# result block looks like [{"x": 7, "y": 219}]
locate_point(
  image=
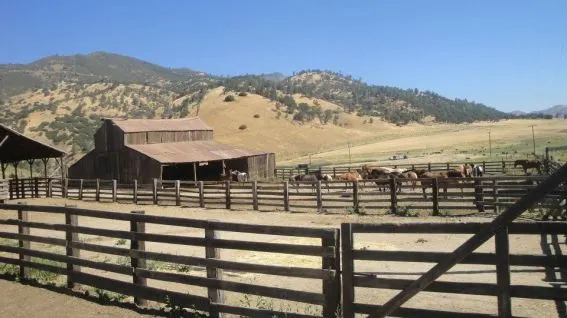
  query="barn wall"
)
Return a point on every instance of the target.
[
  {"x": 114, "y": 137},
  {"x": 84, "y": 168},
  {"x": 155, "y": 137},
  {"x": 136, "y": 166},
  {"x": 100, "y": 139},
  {"x": 261, "y": 166}
]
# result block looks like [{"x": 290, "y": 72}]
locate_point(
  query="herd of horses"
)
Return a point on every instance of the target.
[{"x": 382, "y": 175}]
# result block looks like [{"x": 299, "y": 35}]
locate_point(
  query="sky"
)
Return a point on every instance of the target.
[{"x": 508, "y": 54}]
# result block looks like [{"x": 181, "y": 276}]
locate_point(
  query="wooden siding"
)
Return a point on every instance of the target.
[
  {"x": 155, "y": 137},
  {"x": 100, "y": 139},
  {"x": 136, "y": 166},
  {"x": 262, "y": 166}
]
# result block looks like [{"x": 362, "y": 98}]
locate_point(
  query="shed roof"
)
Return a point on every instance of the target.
[
  {"x": 17, "y": 147},
  {"x": 178, "y": 124},
  {"x": 193, "y": 151}
]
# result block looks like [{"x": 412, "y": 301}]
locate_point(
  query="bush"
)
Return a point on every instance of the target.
[
  {"x": 242, "y": 94},
  {"x": 256, "y": 116},
  {"x": 242, "y": 127},
  {"x": 229, "y": 98}
]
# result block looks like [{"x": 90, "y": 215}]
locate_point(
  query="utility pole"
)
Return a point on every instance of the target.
[
  {"x": 349, "y": 161},
  {"x": 490, "y": 143},
  {"x": 533, "y": 137}
]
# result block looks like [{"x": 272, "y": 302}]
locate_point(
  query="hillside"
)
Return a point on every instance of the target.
[
  {"x": 557, "y": 110},
  {"x": 62, "y": 98}
]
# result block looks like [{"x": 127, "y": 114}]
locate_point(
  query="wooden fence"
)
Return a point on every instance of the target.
[
  {"x": 490, "y": 167},
  {"x": 114, "y": 277},
  {"x": 353, "y": 279},
  {"x": 461, "y": 196},
  {"x": 4, "y": 190}
]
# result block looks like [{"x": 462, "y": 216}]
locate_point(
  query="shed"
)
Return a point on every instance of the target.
[
  {"x": 15, "y": 148},
  {"x": 167, "y": 149}
]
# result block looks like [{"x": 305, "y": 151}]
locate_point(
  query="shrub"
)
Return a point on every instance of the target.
[
  {"x": 229, "y": 98},
  {"x": 256, "y": 116},
  {"x": 242, "y": 94},
  {"x": 242, "y": 127}
]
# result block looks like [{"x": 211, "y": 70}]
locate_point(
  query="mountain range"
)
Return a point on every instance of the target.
[{"x": 62, "y": 98}]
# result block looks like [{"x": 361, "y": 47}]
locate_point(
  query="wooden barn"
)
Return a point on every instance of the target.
[{"x": 167, "y": 149}]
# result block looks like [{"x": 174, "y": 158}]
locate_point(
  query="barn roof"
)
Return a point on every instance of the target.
[
  {"x": 143, "y": 125},
  {"x": 193, "y": 151},
  {"x": 17, "y": 147}
]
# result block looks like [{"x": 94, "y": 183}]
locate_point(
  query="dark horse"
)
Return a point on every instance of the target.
[{"x": 528, "y": 164}]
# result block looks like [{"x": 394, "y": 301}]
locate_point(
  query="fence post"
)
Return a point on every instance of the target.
[
  {"x": 348, "y": 269},
  {"x": 215, "y": 295},
  {"x": 255, "y": 195},
  {"x": 332, "y": 281},
  {"x": 495, "y": 196},
  {"x": 435, "y": 196},
  {"x": 97, "y": 190},
  {"x": 503, "y": 273},
  {"x": 114, "y": 190},
  {"x": 201, "y": 194},
  {"x": 66, "y": 188},
  {"x": 429, "y": 166},
  {"x": 36, "y": 187},
  {"x": 503, "y": 165},
  {"x": 319, "y": 197},
  {"x": 334, "y": 172},
  {"x": 479, "y": 195},
  {"x": 393, "y": 196},
  {"x": 448, "y": 167},
  {"x": 154, "y": 191},
  {"x": 484, "y": 166},
  {"x": 135, "y": 192},
  {"x": 71, "y": 236},
  {"x": 286, "y": 195},
  {"x": 177, "y": 192},
  {"x": 136, "y": 262},
  {"x": 80, "y": 189},
  {"x": 23, "y": 216},
  {"x": 49, "y": 188},
  {"x": 227, "y": 194},
  {"x": 355, "y": 196}
]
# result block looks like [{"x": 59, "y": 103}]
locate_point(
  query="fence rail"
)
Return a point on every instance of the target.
[
  {"x": 490, "y": 167},
  {"x": 441, "y": 197},
  {"x": 139, "y": 235}
]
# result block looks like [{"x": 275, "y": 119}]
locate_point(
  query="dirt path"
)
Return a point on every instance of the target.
[{"x": 18, "y": 300}]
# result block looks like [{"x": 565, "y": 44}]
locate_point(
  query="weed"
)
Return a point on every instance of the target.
[
  {"x": 106, "y": 296},
  {"x": 120, "y": 242},
  {"x": 406, "y": 210}
]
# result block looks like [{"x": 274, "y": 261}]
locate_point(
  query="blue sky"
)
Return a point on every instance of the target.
[{"x": 507, "y": 54}]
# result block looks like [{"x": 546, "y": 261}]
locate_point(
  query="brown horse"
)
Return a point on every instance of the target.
[
  {"x": 412, "y": 178},
  {"x": 528, "y": 164},
  {"x": 350, "y": 176},
  {"x": 444, "y": 178}
]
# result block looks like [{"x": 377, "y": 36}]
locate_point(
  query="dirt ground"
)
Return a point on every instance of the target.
[{"x": 523, "y": 244}]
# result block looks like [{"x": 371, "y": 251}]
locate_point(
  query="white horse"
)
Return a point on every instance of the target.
[{"x": 240, "y": 176}]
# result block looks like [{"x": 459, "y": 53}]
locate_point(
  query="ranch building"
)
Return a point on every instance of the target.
[{"x": 166, "y": 149}]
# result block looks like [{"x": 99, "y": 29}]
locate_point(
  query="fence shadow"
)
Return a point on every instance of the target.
[{"x": 550, "y": 272}]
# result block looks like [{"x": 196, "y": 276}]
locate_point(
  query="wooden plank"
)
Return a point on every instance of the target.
[
  {"x": 347, "y": 270},
  {"x": 474, "y": 258},
  {"x": 252, "y": 312},
  {"x": 135, "y": 192},
  {"x": 286, "y": 196},
  {"x": 71, "y": 220},
  {"x": 68, "y": 259},
  {"x": 255, "y": 195},
  {"x": 213, "y": 273},
  {"x": 23, "y": 216},
  {"x": 34, "y": 238},
  {"x": 142, "y": 292},
  {"x": 393, "y": 196},
  {"x": 201, "y": 194},
  {"x": 137, "y": 262},
  {"x": 503, "y": 273},
  {"x": 227, "y": 195},
  {"x": 474, "y": 242},
  {"x": 310, "y": 250},
  {"x": 412, "y": 312},
  {"x": 28, "y": 264},
  {"x": 457, "y": 228},
  {"x": 332, "y": 284}
]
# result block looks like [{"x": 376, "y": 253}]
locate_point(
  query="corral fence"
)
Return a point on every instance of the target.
[
  {"x": 4, "y": 190},
  {"x": 136, "y": 277},
  {"x": 148, "y": 242},
  {"x": 490, "y": 167},
  {"x": 403, "y": 197}
]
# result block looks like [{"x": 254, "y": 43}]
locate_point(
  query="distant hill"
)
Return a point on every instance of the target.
[
  {"x": 554, "y": 111},
  {"x": 62, "y": 98}
]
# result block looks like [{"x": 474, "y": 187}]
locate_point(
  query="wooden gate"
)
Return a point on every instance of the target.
[{"x": 500, "y": 228}]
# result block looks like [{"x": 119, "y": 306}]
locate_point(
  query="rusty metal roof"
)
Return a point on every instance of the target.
[
  {"x": 193, "y": 151},
  {"x": 177, "y": 124},
  {"x": 17, "y": 147}
]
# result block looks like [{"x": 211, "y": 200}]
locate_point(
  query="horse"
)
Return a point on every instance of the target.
[
  {"x": 239, "y": 176},
  {"x": 412, "y": 177},
  {"x": 350, "y": 176},
  {"x": 444, "y": 178},
  {"x": 465, "y": 169},
  {"x": 528, "y": 164},
  {"x": 477, "y": 170}
]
